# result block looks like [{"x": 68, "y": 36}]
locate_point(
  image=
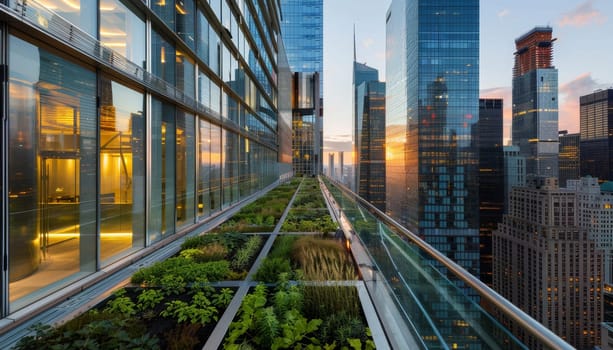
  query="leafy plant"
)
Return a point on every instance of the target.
[
  {"x": 187, "y": 269},
  {"x": 149, "y": 299},
  {"x": 103, "y": 333},
  {"x": 121, "y": 304},
  {"x": 223, "y": 298},
  {"x": 200, "y": 310}
]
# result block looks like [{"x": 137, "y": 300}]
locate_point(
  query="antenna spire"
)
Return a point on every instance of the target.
[{"x": 354, "y": 53}]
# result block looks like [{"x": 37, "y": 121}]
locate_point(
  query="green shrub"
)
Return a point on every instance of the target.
[
  {"x": 187, "y": 269},
  {"x": 105, "y": 331},
  {"x": 271, "y": 268},
  {"x": 244, "y": 256}
]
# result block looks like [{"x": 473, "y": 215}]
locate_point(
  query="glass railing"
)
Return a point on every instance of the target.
[{"x": 428, "y": 289}]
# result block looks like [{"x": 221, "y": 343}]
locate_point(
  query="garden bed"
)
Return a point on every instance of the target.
[
  {"x": 295, "y": 316},
  {"x": 307, "y": 257}
]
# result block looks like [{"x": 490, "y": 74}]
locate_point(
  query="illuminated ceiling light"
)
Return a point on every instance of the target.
[
  {"x": 115, "y": 44},
  {"x": 180, "y": 7},
  {"x": 112, "y": 34},
  {"x": 70, "y": 3}
]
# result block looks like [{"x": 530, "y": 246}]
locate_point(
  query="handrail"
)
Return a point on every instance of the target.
[{"x": 525, "y": 321}]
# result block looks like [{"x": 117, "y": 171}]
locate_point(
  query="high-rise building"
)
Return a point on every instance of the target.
[
  {"x": 302, "y": 31},
  {"x": 369, "y": 135},
  {"x": 307, "y": 150},
  {"x": 548, "y": 265},
  {"x": 535, "y": 102},
  {"x": 331, "y": 171},
  {"x": 569, "y": 157},
  {"x": 432, "y": 107},
  {"x": 596, "y": 119},
  {"x": 110, "y": 148},
  {"x": 514, "y": 172},
  {"x": 491, "y": 178}
]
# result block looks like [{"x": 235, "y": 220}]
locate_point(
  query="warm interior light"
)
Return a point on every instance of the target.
[{"x": 163, "y": 54}]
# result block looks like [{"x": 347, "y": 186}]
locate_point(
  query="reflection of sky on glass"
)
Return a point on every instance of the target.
[{"x": 126, "y": 102}]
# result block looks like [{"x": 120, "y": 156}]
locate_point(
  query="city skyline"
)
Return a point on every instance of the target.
[{"x": 579, "y": 26}]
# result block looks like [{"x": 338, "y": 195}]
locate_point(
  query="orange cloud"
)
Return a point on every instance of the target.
[
  {"x": 569, "y": 94},
  {"x": 582, "y": 15}
]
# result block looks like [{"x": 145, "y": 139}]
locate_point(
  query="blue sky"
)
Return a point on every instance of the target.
[{"x": 583, "y": 53}]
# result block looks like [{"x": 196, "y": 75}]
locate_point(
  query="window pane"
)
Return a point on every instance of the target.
[
  {"x": 186, "y": 74},
  {"x": 122, "y": 30},
  {"x": 203, "y": 37},
  {"x": 163, "y": 58},
  {"x": 204, "y": 154},
  {"x": 81, "y": 13},
  {"x": 215, "y": 168},
  {"x": 122, "y": 171},
  {"x": 186, "y": 21},
  {"x": 165, "y": 9},
  {"x": 162, "y": 214},
  {"x": 185, "y": 180},
  {"x": 52, "y": 172}
]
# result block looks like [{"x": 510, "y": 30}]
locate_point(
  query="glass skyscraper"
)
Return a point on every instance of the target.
[
  {"x": 596, "y": 115},
  {"x": 369, "y": 134},
  {"x": 432, "y": 105},
  {"x": 302, "y": 32},
  {"x": 535, "y": 102}
]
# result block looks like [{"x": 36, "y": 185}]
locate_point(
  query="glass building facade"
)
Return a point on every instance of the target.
[
  {"x": 535, "y": 102},
  {"x": 124, "y": 124},
  {"x": 369, "y": 134},
  {"x": 432, "y": 106},
  {"x": 491, "y": 179},
  {"x": 306, "y": 142},
  {"x": 570, "y": 168},
  {"x": 596, "y": 124},
  {"x": 302, "y": 31}
]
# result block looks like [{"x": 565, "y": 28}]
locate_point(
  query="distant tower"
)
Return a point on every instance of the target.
[
  {"x": 535, "y": 102},
  {"x": 596, "y": 115},
  {"x": 491, "y": 179},
  {"x": 331, "y": 165},
  {"x": 369, "y": 134},
  {"x": 569, "y": 157},
  {"x": 514, "y": 171}
]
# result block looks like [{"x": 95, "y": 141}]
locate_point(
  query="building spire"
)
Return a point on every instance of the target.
[{"x": 354, "y": 54}]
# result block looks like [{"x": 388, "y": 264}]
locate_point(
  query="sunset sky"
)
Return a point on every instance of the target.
[{"x": 583, "y": 53}]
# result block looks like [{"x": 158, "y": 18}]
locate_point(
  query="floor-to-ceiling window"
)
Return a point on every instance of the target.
[
  {"x": 215, "y": 169},
  {"x": 122, "y": 170},
  {"x": 204, "y": 164},
  {"x": 122, "y": 29},
  {"x": 162, "y": 178},
  {"x": 185, "y": 165},
  {"x": 52, "y": 172}
]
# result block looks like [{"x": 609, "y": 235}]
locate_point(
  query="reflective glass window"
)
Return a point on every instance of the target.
[
  {"x": 204, "y": 89},
  {"x": 163, "y": 58},
  {"x": 165, "y": 9},
  {"x": 122, "y": 30},
  {"x": 186, "y": 22},
  {"x": 186, "y": 78},
  {"x": 51, "y": 172},
  {"x": 204, "y": 163},
  {"x": 122, "y": 170},
  {"x": 215, "y": 169},
  {"x": 162, "y": 194},
  {"x": 185, "y": 165},
  {"x": 81, "y": 13},
  {"x": 203, "y": 37}
]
